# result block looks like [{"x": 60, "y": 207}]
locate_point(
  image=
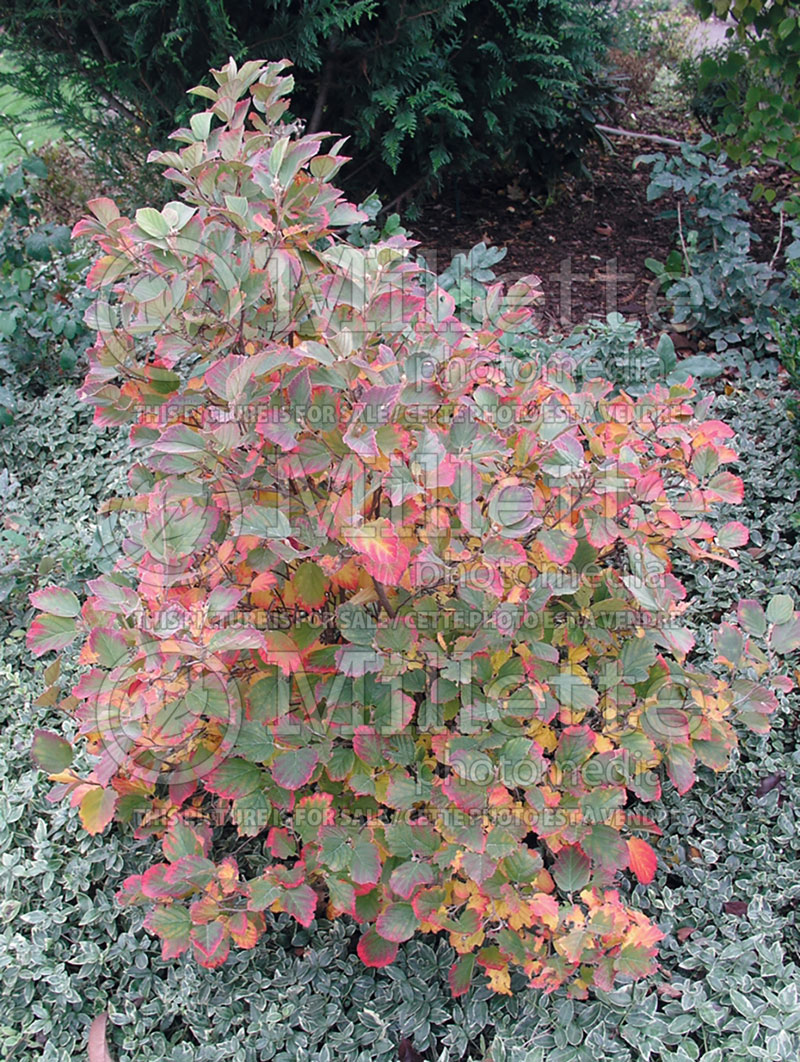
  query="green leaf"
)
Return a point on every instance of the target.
[
  {"x": 173, "y": 925},
  {"x": 51, "y": 752},
  {"x": 310, "y": 583},
  {"x": 97, "y": 809},
  {"x": 152, "y": 222},
  {"x": 365, "y": 865},
  {"x": 780, "y": 609},
  {"x": 234, "y": 778},
  {"x": 460, "y": 974},
  {"x": 571, "y": 869},
  {"x": 397, "y": 922},
  {"x": 56, "y": 602},
  {"x": 292, "y": 769}
]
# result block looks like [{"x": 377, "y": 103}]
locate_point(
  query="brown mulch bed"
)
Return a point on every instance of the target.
[{"x": 589, "y": 246}]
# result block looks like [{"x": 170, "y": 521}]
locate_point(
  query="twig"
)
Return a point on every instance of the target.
[
  {"x": 774, "y": 258},
  {"x": 380, "y": 590},
  {"x": 683, "y": 243},
  {"x": 613, "y": 131},
  {"x": 403, "y": 195},
  {"x": 322, "y": 95}
]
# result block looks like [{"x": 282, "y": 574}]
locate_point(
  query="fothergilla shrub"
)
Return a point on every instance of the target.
[{"x": 391, "y": 603}]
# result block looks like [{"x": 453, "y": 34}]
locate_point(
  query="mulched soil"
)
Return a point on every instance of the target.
[{"x": 589, "y": 246}]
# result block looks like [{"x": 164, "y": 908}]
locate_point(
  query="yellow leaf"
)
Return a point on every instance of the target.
[
  {"x": 464, "y": 943},
  {"x": 500, "y": 981},
  {"x": 544, "y": 735},
  {"x": 578, "y": 653},
  {"x": 603, "y": 744}
]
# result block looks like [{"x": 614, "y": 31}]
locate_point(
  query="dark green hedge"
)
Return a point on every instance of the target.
[{"x": 423, "y": 87}]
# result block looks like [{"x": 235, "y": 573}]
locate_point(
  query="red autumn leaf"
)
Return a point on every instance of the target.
[
  {"x": 460, "y": 975},
  {"x": 643, "y": 860},
  {"x": 211, "y": 943},
  {"x": 374, "y": 950}
]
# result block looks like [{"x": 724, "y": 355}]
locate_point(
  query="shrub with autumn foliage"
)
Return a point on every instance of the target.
[{"x": 393, "y": 604}]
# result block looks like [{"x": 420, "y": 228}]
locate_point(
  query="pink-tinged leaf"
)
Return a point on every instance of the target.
[
  {"x": 680, "y": 767},
  {"x": 300, "y": 903},
  {"x": 236, "y": 639},
  {"x": 726, "y": 487},
  {"x": 643, "y": 860},
  {"x": 98, "y": 1045},
  {"x": 732, "y": 535},
  {"x": 559, "y": 547},
  {"x": 478, "y": 866},
  {"x": 292, "y": 769},
  {"x": 409, "y": 877},
  {"x": 244, "y": 929},
  {"x": 109, "y": 647},
  {"x": 369, "y": 746},
  {"x": 641, "y": 822},
  {"x": 664, "y": 724},
  {"x": 460, "y": 975},
  {"x": 365, "y": 865},
  {"x": 752, "y": 617},
  {"x": 281, "y": 650},
  {"x": 154, "y": 884},
  {"x": 176, "y": 529},
  {"x": 601, "y": 531},
  {"x": 170, "y": 922},
  {"x": 234, "y": 778},
  {"x": 380, "y": 549},
  {"x": 104, "y": 209},
  {"x": 361, "y": 440},
  {"x": 374, "y": 950},
  {"x": 51, "y": 632},
  {"x": 112, "y": 597},
  {"x": 56, "y": 602},
  {"x": 279, "y": 844},
  {"x": 97, "y": 809},
  {"x": 545, "y": 907},
  {"x": 282, "y": 434},
  {"x": 51, "y": 752},
  {"x": 397, "y": 922},
  {"x": 131, "y": 891},
  {"x": 211, "y": 944},
  {"x": 189, "y": 873}
]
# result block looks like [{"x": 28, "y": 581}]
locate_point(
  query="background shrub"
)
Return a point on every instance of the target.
[
  {"x": 715, "y": 284},
  {"x": 457, "y": 86},
  {"x": 43, "y": 295},
  {"x": 752, "y": 87}
]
